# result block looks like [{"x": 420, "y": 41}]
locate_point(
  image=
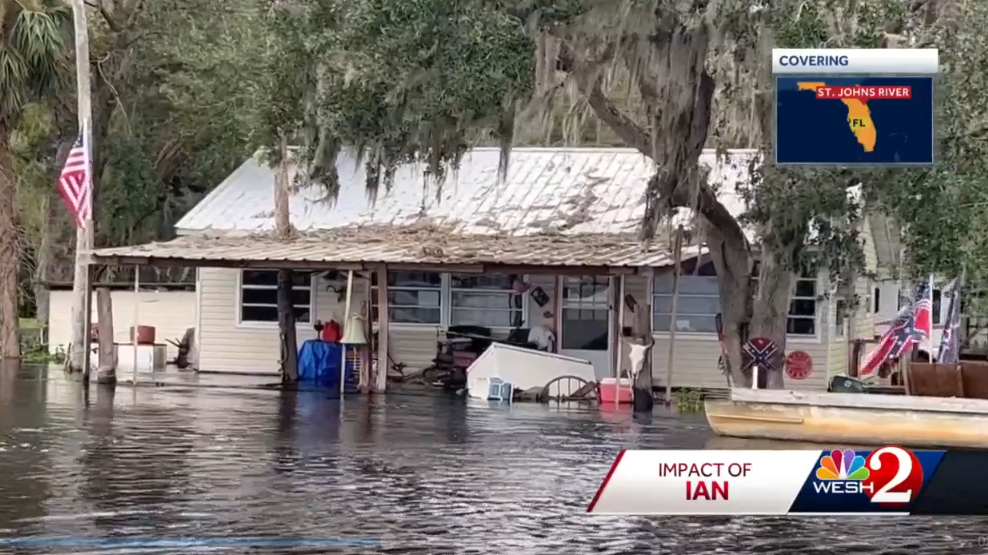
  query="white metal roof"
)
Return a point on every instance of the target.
[{"x": 569, "y": 191}]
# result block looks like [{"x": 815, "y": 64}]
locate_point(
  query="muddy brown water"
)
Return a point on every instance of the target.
[{"x": 434, "y": 474}]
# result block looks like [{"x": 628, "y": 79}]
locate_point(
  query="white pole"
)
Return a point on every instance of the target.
[
  {"x": 84, "y": 235},
  {"x": 137, "y": 304},
  {"x": 673, "y": 313},
  {"x": 754, "y": 377},
  {"x": 346, "y": 323},
  {"x": 619, "y": 342}
]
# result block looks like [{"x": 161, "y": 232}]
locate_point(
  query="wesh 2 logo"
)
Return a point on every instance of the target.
[{"x": 890, "y": 475}]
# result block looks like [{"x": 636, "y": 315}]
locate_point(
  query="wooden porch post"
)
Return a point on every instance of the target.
[
  {"x": 87, "y": 309},
  {"x": 617, "y": 299},
  {"x": 642, "y": 385},
  {"x": 381, "y": 380}
]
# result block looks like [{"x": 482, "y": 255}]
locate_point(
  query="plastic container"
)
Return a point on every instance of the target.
[
  {"x": 500, "y": 390},
  {"x": 145, "y": 335},
  {"x": 611, "y": 390},
  {"x": 332, "y": 332}
]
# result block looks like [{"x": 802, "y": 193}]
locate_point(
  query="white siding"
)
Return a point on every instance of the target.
[
  {"x": 228, "y": 346},
  {"x": 169, "y": 312},
  {"x": 696, "y": 355},
  {"x": 413, "y": 345},
  {"x": 253, "y": 348}
]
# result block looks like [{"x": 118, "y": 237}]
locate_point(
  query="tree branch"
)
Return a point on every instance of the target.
[
  {"x": 588, "y": 78},
  {"x": 135, "y": 11},
  {"x": 108, "y": 17}
]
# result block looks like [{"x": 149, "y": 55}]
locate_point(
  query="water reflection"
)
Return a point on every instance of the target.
[{"x": 439, "y": 474}]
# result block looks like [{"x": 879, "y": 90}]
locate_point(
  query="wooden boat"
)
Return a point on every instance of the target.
[{"x": 851, "y": 418}]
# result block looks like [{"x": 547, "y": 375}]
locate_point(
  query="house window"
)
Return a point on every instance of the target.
[
  {"x": 802, "y": 309},
  {"x": 584, "y": 315},
  {"x": 259, "y": 296},
  {"x": 878, "y": 299},
  {"x": 699, "y": 301},
  {"x": 937, "y": 306},
  {"x": 486, "y": 300},
  {"x": 413, "y": 297}
]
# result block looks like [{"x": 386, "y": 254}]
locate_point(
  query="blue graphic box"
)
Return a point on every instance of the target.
[{"x": 815, "y": 131}]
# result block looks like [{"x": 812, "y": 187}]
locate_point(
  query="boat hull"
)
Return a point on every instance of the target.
[{"x": 851, "y": 419}]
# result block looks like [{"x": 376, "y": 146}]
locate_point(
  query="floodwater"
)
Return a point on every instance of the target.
[{"x": 431, "y": 474}]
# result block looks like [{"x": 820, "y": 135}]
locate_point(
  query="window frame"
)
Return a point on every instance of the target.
[
  {"x": 815, "y": 337},
  {"x": 265, "y": 324},
  {"x": 816, "y": 308},
  {"x": 443, "y": 290},
  {"x": 451, "y": 291},
  {"x": 656, "y": 295},
  {"x": 446, "y": 300},
  {"x": 580, "y": 303}
]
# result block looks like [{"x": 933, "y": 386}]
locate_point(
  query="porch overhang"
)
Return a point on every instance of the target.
[{"x": 401, "y": 250}]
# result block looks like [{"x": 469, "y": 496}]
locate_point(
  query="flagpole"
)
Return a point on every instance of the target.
[{"x": 81, "y": 290}]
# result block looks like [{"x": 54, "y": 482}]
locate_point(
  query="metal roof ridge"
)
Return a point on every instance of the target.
[{"x": 590, "y": 148}]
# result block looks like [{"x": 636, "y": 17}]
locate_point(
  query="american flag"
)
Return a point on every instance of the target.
[
  {"x": 905, "y": 331},
  {"x": 949, "y": 349},
  {"x": 74, "y": 182}
]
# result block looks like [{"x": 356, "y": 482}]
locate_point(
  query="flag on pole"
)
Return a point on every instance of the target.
[
  {"x": 913, "y": 324},
  {"x": 923, "y": 310},
  {"x": 892, "y": 342},
  {"x": 74, "y": 182},
  {"x": 949, "y": 352}
]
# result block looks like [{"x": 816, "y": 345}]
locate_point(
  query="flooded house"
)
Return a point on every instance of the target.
[{"x": 563, "y": 223}]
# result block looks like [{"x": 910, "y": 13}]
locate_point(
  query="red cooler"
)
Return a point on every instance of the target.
[{"x": 611, "y": 390}]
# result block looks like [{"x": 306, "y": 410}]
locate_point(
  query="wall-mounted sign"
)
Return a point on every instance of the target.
[{"x": 799, "y": 365}]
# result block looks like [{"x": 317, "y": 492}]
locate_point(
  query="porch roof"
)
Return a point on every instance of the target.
[{"x": 357, "y": 248}]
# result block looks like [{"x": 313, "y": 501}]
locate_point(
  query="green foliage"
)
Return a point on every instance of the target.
[
  {"x": 401, "y": 81},
  {"x": 689, "y": 400},
  {"x": 945, "y": 210},
  {"x": 796, "y": 208},
  {"x": 32, "y": 53}
]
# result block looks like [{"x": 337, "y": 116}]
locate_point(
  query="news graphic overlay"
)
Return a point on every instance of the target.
[
  {"x": 870, "y": 107},
  {"x": 703, "y": 482},
  {"x": 887, "y": 480}
]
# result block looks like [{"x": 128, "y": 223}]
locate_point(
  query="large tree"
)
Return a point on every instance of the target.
[
  {"x": 423, "y": 80},
  {"x": 172, "y": 119},
  {"x": 32, "y": 56}
]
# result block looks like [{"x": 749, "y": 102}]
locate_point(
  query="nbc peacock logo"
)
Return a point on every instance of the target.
[{"x": 842, "y": 472}]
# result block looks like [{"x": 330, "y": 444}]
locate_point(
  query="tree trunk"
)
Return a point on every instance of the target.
[
  {"x": 732, "y": 260},
  {"x": 286, "y": 328},
  {"x": 771, "y": 314},
  {"x": 10, "y": 345},
  {"x": 283, "y": 230},
  {"x": 42, "y": 265},
  {"x": 106, "y": 369}
]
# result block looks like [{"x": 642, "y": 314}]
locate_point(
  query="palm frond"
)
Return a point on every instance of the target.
[{"x": 33, "y": 52}]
